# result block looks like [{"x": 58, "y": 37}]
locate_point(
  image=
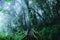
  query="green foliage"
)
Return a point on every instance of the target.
[
  {"x": 1, "y": 9},
  {"x": 48, "y": 33},
  {"x": 21, "y": 35},
  {"x": 16, "y": 36},
  {"x": 44, "y": 29},
  {"x": 4, "y": 36},
  {"x": 8, "y": 0},
  {"x": 6, "y": 11}
]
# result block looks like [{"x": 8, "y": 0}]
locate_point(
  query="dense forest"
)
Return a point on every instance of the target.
[{"x": 29, "y": 19}]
